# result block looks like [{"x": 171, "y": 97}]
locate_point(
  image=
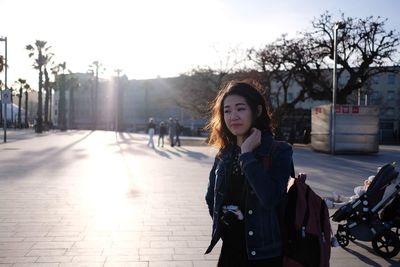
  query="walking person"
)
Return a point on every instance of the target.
[
  {"x": 162, "y": 133},
  {"x": 171, "y": 131},
  {"x": 242, "y": 196},
  {"x": 178, "y": 131},
  {"x": 151, "y": 129}
]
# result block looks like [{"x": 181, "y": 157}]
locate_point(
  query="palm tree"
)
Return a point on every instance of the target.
[
  {"x": 21, "y": 82},
  {"x": 39, "y": 50},
  {"x": 96, "y": 67},
  {"x": 2, "y": 63},
  {"x": 2, "y": 66},
  {"x": 47, "y": 60},
  {"x": 73, "y": 84},
  {"x": 53, "y": 86},
  {"x": 12, "y": 93},
  {"x": 61, "y": 102},
  {"x": 27, "y": 89}
]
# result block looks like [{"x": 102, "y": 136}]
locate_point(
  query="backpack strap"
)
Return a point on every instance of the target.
[
  {"x": 321, "y": 214},
  {"x": 322, "y": 219}
]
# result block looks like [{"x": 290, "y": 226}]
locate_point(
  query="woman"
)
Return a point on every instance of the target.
[
  {"x": 151, "y": 129},
  {"x": 242, "y": 195}
]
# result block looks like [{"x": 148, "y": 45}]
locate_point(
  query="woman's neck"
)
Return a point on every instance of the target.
[{"x": 239, "y": 140}]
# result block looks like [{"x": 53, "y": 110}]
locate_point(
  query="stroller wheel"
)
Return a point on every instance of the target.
[
  {"x": 342, "y": 239},
  {"x": 343, "y": 236},
  {"x": 386, "y": 244},
  {"x": 350, "y": 237},
  {"x": 396, "y": 230}
]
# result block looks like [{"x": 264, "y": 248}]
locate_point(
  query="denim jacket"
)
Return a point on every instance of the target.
[{"x": 265, "y": 191}]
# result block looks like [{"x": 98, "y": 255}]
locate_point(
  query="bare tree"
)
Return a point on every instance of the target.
[
  {"x": 365, "y": 48},
  {"x": 276, "y": 76},
  {"x": 199, "y": 86}
]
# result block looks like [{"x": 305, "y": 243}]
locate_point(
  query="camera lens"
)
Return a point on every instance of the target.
[{"x": 229, "y": 217}]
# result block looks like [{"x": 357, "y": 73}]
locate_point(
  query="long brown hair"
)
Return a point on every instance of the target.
[{"x": 220, "y": 136}]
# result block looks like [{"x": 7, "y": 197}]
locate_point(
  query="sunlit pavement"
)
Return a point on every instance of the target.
[{"x": 82, "y": 198}]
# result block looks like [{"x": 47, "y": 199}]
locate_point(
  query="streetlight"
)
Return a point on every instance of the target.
[
  {"x": 337, "y": 26},
  {"x": 4, "y": 39},
  {"x": 118, "y": 103}
]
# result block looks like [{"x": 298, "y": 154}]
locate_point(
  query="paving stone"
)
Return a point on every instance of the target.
[{"x": 85, "y": 198}]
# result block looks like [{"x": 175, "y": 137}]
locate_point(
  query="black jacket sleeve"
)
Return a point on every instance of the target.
[{"x": 210, "y": 188}]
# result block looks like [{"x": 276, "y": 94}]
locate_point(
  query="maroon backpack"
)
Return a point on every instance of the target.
[{"x": 305, "y": 225}]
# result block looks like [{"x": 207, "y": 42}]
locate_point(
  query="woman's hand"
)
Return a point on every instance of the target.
[{"x": 251, "y": 142}]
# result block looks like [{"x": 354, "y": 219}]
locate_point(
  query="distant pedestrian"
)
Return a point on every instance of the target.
[
  {"x": 171, "y": 131},
  {"x": 163, "y": 131},
  {"x": 151, "y": 129},
  {"x": 178, "y": 130}
]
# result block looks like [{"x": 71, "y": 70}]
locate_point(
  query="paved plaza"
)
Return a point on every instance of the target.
[{"x": 96, "y": 198}]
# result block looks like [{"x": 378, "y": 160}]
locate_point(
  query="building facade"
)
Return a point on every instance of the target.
[
  {"x": 121, "y": 104},
  {"x": 127, "y": 105}
]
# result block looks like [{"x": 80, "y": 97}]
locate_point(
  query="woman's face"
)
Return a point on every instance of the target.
[{"x": 237, "y": 115}]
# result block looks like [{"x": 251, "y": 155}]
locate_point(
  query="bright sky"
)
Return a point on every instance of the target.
[{"x": 150, "y": 38}]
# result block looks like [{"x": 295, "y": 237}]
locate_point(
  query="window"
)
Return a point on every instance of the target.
[
  {"x": 391, "y": 78},
  {"x": 386, "y": 125},
  {"x": 375, "y": 96},
  {"x": 375, "y": 79},
  {"x": 389, "y": 112},
  {"x": 390, "y": 95}
]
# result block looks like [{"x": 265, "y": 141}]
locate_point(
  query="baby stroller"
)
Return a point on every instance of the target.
[{"x": 374, "y": 216}]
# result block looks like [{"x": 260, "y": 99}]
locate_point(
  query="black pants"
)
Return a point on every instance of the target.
[
  {"x": 177, "y": 141},
  {"x": 233, "y": 251},
  {"x": 161, "y": 137}
]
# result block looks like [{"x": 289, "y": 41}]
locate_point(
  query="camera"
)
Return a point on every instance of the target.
[
  {"x": 232, "y": 214},
  {"x": 229, "y": 217}
]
